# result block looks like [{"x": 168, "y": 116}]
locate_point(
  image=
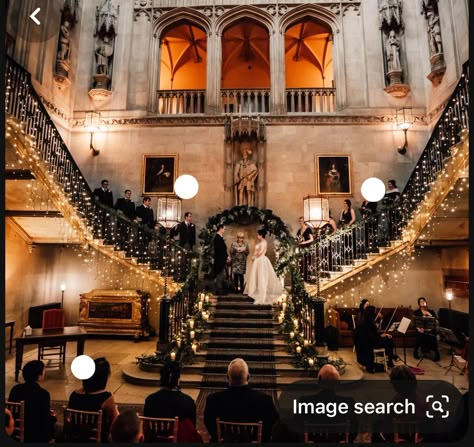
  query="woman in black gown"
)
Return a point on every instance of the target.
[
  {"x": 304, "y": 238},
  {"x": 368, "y": 339}
]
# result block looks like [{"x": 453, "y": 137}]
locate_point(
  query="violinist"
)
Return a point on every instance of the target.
[{"x": 425, "y": 339}]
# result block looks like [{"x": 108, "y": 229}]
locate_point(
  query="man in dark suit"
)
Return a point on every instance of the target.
[
  {"x": 187, "y": 232},
  {"x": 220, "y": 258},
  {"x": 240, "y": 403},
  {"x": 145, "y": 213},
  {"x": 126, "y": 205},
  {"x": 104, "y": 194}
]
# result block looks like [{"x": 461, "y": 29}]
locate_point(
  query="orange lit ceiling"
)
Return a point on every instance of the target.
[
  {"x": 308, "y": 55},
  {"x": 183, "y": 58}
]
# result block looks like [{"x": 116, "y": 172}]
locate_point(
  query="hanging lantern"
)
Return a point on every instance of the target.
[{"x": 316, "y": 211}]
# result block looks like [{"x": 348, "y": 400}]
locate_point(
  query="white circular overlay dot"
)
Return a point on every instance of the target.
[
  {"x": 373, "y": 189},
  {"x": 83, "y": 367},
  {"x": 186, "y": 186}
]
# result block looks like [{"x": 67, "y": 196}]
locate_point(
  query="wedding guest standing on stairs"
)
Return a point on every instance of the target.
[
  {"x": 144, "y": 213},
  {"x": 240, "y": 403},
  {"x": 220, "y": 258},
  {"x": 125, "y": 205},
  {"x": 304, "y": 238},
  {"x": 389, "y": 207},
  {"x": 104, "y": 194},
  {"x": 187, "y": 232}
]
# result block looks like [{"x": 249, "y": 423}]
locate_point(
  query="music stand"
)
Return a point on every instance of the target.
[
  {"x": 428, "y": 324},
  {"x": 449, "y": 337},
  {"x": 402, "y": 327}
]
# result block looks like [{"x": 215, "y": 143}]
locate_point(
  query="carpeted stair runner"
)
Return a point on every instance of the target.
[{"x": 239, "y": 328}]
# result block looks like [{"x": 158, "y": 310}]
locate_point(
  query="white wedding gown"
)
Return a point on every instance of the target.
[{"x": 263, "y": 284}]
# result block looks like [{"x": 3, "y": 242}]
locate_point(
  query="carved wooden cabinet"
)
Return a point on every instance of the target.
[{"x": 115, "y": 312}]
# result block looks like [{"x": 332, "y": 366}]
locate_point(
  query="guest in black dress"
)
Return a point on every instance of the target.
[
  {"x": 93, "y": 397},
  {"x": 39, "y": 420},
  {"x": 368, "y": 339},
  {"x": 390, "y": 203},
  {"x": 304, "y": 238},
  {"x": 347, "y": 218}
]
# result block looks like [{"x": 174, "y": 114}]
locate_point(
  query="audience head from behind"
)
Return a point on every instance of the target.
[
  {"x": 33, "y": 371},
  {"x": 403, "y": 380},
  {"x": 9, "y": 422},
  {"x": 126, "y": 427},
  {"x": 98, "y": 380},
  {"x": 328, "y": 376},
  {"x": 238, "y": 372},
  {"x": 169, "y": 375}
]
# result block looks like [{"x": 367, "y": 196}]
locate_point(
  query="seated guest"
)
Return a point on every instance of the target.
[
  {"x": 9, "y": 422},
  {"x": 240, "y": 403},
  {"x": 39, "y": 419},
  {"x": 127, "y": 427},
  {"x": 368, "y": 339},
  {"x": 93, "y": 397},
  {"x": 169, "y": 401},
  {"x": 426, "y": 339}
]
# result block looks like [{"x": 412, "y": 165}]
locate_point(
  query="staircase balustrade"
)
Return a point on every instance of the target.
[
  {"x": 137, "y": 241},
  {"x": 357, "y": 242}
]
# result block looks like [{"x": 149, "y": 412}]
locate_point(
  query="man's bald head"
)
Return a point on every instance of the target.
[
  {"x": 238, "y": 372},
  {"x": 328, "y": 373}
]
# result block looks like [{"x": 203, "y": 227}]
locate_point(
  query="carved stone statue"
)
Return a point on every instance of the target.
[
  {"x": 392, "y": 51},
  {"x": 103, "y": 52},
  {"x": 429, "y": 8},
  {"x": 64, "y": 40},
  {"x": 245, "y": 175}
]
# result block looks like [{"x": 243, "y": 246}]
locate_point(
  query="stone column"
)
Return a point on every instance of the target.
[
  {"x": 154, "y": 68},
  {"x": 277, "y": 72},
  {"x": 213, "y": 74}
]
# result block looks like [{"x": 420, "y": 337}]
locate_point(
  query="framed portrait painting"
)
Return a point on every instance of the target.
[
  {"x": 159, "y": 173},
  {"x": 333, "y": 175}
]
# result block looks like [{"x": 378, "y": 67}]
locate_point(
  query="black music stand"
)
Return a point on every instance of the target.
[
  {"x": 402, "y": 327},
  {"x": 427, "y": 324},
  {"x": 449, "y": 337}
]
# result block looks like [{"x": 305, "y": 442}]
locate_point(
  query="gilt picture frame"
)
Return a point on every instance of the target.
[
  {"x": 159, "y": 172},
  {"x": 333, "y": 174}
]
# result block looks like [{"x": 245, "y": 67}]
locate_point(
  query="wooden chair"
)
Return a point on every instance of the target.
[
  {"x": 52, "y": 319},
  {"x": 327, "y": 432},
  {"x": 160, "y": 429},
  {"x": 406, "y": 430},
  {"x": 380, "y": 357},
  {"x": 250, "y": 432},
  {"x": 18, "y": 412},
  {"x": 82, "y": 426}
]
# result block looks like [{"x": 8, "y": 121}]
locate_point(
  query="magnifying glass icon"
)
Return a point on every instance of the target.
[{"x": 437, "y": 406}]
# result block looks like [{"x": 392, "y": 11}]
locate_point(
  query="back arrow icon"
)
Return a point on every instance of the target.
[{"x": 33, "y": 16}]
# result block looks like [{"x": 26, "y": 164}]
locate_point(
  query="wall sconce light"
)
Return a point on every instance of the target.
[
  {"x": 404, "y": 117},
  {"x": 169, "y": 211},
  {"x": 91, "y": 123}
]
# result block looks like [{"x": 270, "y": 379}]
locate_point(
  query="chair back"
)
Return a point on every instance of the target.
[
  {"x": 17, "y": 410},
  {"x": 250, "y": 432},
  {"x": 406, "y": 430},
  {"x": 82, "y": 426},
  {"x": 53, "y": 319},
  {"x": 160, "y": 429},
  {"x": 327, "y": 432}
]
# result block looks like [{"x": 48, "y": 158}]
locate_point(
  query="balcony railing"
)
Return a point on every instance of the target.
[
  {"x": 140, "y": 242},
  {"x": 178, "y": 102},
  {"x": 310, "y": 100},
  {"x": 246, "y": 101}
]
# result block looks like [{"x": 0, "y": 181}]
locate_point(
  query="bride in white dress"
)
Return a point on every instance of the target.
[{"x": 263, "y": 284}]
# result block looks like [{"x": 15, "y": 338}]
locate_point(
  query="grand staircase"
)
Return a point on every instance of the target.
[{"x": 34, "y": 146}]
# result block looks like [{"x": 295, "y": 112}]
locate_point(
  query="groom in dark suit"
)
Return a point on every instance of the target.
[
  {"x": 220, "y": 258},
  {"x": 187, "y": 232}
]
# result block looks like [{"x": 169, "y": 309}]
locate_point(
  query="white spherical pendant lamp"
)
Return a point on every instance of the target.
[
  {"x": 186, "y": 186},
  {"x": 373, "y": 189}
]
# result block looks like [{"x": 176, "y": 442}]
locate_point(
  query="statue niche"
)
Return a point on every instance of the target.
[{"x": 244, "y": 156}]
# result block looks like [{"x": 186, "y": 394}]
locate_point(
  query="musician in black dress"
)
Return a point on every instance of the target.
[
  {"x": 425, "y": 339},
  {"x": 368, "y": 338},
  {"x": 304, "y": 238}
]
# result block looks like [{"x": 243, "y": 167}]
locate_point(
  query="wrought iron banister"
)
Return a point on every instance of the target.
[{"x": 147, "y": 246}]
